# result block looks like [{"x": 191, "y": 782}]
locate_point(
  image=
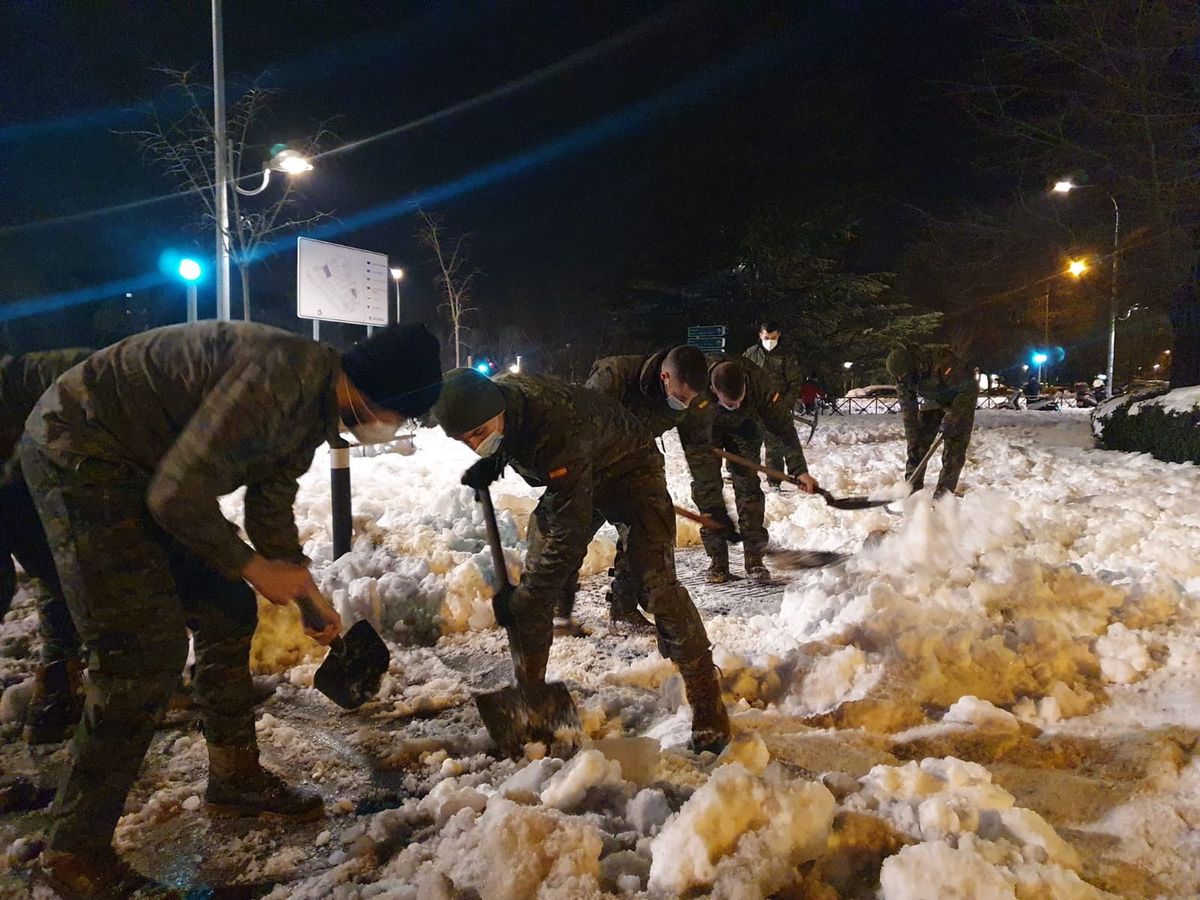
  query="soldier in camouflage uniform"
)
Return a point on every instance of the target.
[
  {"x": 668, "y": 389},
  {"x": 127, "y": 456},
  {"x": 747, "y": 404},
  {"x": 55, "y": 708},
  {"x": 783, "y": 373},
  {"x": 597, "y": 464},
  {"x": 937, "y": 392}
]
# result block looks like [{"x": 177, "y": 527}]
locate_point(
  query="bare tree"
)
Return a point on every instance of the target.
[
  {"x": 456, "y": 275},
  {"x": 184, "y": 147}
]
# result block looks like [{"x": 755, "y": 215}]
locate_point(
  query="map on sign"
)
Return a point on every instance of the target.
[{"x": 341, "y": 284}]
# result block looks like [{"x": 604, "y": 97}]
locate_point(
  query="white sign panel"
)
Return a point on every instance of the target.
[{"x": 341, "y": 284}]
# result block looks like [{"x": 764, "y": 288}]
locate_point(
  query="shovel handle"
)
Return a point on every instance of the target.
[
  {"x": 484, "y": 496},
  {"x": 733, "y": 536},
  {"x": 310, "y": 615}
]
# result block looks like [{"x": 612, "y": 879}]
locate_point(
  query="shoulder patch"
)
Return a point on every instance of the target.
[
  {"x": 560, "y": 472},
  {"x": 775, "y": 397},
  {"x": 702, "y": 404}
]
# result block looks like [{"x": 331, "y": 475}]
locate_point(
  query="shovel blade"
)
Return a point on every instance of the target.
[
  {"x": 805, "y": 559},
  {"x": 514, "y": 718},
  {"x": 354, "y": 667}
]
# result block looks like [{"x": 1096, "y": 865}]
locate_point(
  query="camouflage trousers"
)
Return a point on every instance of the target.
[
  {"x": 746, "y": 441},
  {"x": 638, "y": 502},
  {"x": 22, "y": 536},
  {"x": 133, "y": 593},
  {"x": 775, "y": 454},
  {"x": 956, "y": 423}
]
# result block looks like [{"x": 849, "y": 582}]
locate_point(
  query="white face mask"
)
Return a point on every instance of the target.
[
  {"x": 732, "y": 408},
  {"x": 373, "y": 432},
  {"x": 770, "y": 344},
  {"x": 490, "y": 444},
  {"x": 676, "y": 404}
]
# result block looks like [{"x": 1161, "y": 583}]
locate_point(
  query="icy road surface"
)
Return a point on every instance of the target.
[{"x": 999, "y": 698}]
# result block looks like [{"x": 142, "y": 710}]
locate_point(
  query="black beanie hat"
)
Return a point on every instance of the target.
[{"x": 398, "y": 368}]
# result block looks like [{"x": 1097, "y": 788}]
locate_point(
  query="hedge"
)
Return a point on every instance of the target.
[{"x": 1171, "y": 434}]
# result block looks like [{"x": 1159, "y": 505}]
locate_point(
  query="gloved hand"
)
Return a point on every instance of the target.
[
  {"x": 482, "y": 473},
  {"x": 502, "y": 605}
]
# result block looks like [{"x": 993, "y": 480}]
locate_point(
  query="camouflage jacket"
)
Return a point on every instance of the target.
[
  {"x": 942, "y": 380},
  {"x": 763, "y": 407},
  {"x": 577, "y": 444},
  {"x": 633, "y": 381},
  {"x": 199, "y": 411},
  {"x": 23, "y": 380},
  {"x": 781, "y": 368}
]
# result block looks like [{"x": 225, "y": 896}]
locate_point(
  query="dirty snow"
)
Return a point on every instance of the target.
[{"x": 999, "y": 697}]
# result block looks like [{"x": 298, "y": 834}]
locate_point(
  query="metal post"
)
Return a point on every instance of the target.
[
  {"x": 316, "y": 329},
  {"x": 397, "y": 283},
  {"x": 370, "y": 330},
  {"x": 339, "y": 496},
  {"x": 1112, "y": 304},
  {"x": 221, "y": 175},
  {"x": 191, "y": 307}
]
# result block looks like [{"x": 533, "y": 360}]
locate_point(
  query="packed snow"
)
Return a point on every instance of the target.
[{"x": 994, "y": 695}]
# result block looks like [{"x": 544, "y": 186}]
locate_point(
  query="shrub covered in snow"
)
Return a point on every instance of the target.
[{"x": 1164, "y": 425}]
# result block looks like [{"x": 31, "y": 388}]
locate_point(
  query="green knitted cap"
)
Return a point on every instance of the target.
[{"x": 468, "y": 399}]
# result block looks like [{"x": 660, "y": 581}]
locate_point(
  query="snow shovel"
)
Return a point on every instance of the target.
[
  {"x": 354, "y": 666},
  {"x": 528, "y": 712},
  {"x": 734, "y": 537},
  {"x": 776, "y": 475}
]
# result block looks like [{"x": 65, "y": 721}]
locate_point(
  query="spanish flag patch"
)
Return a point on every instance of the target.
[{"x": 560, "y": 472}]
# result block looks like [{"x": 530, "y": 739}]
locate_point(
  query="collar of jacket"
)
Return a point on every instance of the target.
[{"x": 649, "y": 380}]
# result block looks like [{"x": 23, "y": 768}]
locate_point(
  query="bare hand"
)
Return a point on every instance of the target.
[
  {"x": 279, "y": 581},
  {"x": 318, "y": 608},
  {"x": 807, "y": 483}
]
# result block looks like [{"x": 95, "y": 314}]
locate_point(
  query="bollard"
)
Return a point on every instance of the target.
[{"x": 339, "y": 496}]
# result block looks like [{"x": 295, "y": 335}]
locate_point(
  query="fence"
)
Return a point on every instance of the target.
[{"x": 857, "y": 406}]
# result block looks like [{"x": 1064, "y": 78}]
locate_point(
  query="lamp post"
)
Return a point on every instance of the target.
[
  {"x": 847, "y": 366},
  {"x": 1065, "y": 186},
  {"x": 397, "y": 277},
  {"x": 190, "y": 272},
  {"x": 1039, "y": 360}
]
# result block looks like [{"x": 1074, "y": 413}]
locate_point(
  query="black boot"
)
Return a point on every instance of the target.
[
  {"x": 626, "y": 613},
  {"x": 718, "y": 567},
  {"x": 57, "y": 703},
  {"x": 756, "y": 568},
  {"x": 710, "y": 719},
  {"x": 238, "y": 785},
  {"x": 95, "y": 876}
]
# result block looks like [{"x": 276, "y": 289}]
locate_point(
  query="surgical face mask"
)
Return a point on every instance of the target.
[
  {"x": 676, "y": 404},
  {"x": 770, "y": 344},
  {"x": 732, "y": 407},
  {"x": 490, "y": 444},
  {"x": 372, "y": 432}
]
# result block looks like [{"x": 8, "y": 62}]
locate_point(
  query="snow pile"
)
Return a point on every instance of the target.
[
  {"x": 740, "y": 835},
  {"x": 942, "y": 608},
  {"x": 1181, "y": 400},
  {"x": 974, "y": 841}
]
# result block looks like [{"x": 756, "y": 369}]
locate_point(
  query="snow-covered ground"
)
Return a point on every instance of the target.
[{"x": 998, "y": 697}]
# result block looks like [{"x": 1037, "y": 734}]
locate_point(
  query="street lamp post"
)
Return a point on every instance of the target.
[
  {"x": 221, "y": 167},
  {"x": 190, "y": 271},
  {"x": 1065, "y": 186},
  {"x": 397, "y": 276}
]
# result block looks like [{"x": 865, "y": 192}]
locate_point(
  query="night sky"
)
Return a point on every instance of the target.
[{"x": 621, "y": 163}]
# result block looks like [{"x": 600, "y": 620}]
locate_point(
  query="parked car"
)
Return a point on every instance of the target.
[{"x": 872, "y": 391}]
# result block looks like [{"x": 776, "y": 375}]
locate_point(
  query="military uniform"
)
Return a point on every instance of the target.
[
  {"x": 126, "y": 457},
  {"x": 939, "y": 392},
  {"x": 783, "y": 373},
  {"x": 23, "y": 380},
  {"x": 741, "y": 431},
  {"x": 634, "y": 382}
]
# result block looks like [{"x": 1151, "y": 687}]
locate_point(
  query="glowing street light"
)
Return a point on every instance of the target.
[
  {"x": 397, "y": 277},
  {"x": 190, "y": 271},
  {"x": 1039, "y": 359},
  {"x": 1065, "y": 186},
  {"x": 1077, "y": 267}
]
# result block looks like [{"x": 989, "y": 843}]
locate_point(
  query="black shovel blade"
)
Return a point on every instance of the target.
[
  {"x": 852, "y": 502},
  {"x": 354, "y": 667},
  {"x": 514, "y": 719},
  {"x": 805, "y": 559}
]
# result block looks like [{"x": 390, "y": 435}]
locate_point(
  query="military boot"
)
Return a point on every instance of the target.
[
  {"x": 756, "y": 568},
  {"x": 626, "y": 613},
  {"x": 718, "y": 567},
  {"x": 710, "y": 719},
  {"x": 95, "y": 876},
  {"x": 239, "y": 786},
  {"x": 57, "y": 703}
]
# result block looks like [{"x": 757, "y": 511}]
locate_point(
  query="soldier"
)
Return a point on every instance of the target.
[
  {"x": 747, "y": 404},
  {"x": 783, "y": 377},
  {"x": 55, "y": 707},
  {"x": 937, "y": 391},
  {"x": 663, "y": 391},
  {"x": 127, "y": 456},
  {"x": 597, "y": 464}
]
